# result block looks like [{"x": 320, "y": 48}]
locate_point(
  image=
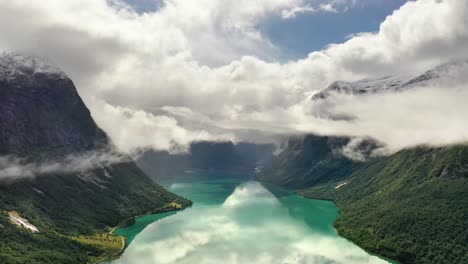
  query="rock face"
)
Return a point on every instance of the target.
[
  {"x": 41, "y": 111},
  {"x": 42, "y": 118}
]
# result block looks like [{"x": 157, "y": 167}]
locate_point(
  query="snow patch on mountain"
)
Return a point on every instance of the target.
[
  {"x": 13, "y": 65},
  {"x": 452, "y": 72}
]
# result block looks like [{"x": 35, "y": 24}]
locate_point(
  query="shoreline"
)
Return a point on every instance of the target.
[
  {"x": 392, "y": 261},
  {"x": 131, "y": 221}
]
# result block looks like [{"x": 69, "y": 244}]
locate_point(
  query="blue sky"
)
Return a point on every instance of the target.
[
  {"x": 144, "y": 5},
  {"x": 307, "y": 32},
  {"x": 312, "y": 31}
]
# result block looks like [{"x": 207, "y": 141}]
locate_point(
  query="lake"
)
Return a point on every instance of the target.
[{"x": 236, "y": 220}]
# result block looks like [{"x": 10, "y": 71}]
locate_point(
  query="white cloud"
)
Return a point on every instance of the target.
[
  {"x": 13, "y": 168},
  {"x": 293, "y": 12},
  {"x": 328, "y": 8},
  {"x": 202, "y": 69},
  {"x": 340, "y": 6},
  {"x": 432, "y": 115},
  {"x": 140, "y": 129}
]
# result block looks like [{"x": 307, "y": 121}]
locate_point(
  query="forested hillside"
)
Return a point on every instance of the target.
[
  {"x": 411, "y": 206},
  {"x": 59, "y": 172}
]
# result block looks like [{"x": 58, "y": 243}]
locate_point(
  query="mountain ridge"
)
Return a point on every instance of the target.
[
  {"x": 43, "y": 119},
  {"x": 410, "y": 206},
  {"x": 386, "y": 84}
]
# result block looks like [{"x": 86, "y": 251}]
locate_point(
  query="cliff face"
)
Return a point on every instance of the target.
[
  {"x": 41, "y": 111},
  {"x": 43, "y": 119}
]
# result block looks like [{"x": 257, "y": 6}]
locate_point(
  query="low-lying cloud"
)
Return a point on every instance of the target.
[
  {"x": 427, "y": 116},
  {"x": 14, "y": 168}
]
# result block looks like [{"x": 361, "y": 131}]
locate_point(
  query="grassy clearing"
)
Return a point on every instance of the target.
[
  {"x": 112, "y": 245},
  {"x": 176, "y": 205}
]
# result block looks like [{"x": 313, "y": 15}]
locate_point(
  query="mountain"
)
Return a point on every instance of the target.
[
  {"x": 307, "y": 161},
  {"x": 312, "y": 159},
  {"x": 41, "y": 111},
  {"x": 441, "y": 73},
  {"x": 411, "y": 206},
  {"x": 254, "y": 153},
  {"x": 216, "y": 155},
  {"x": 365, "y": 86},
  {"x": 203, "y": 156},
  {"x": 44, "y": 124}
]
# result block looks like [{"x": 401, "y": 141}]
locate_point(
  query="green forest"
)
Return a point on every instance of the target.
[
  {"x": 411, "y": 206},
  {"x": 69, "y": 212}
]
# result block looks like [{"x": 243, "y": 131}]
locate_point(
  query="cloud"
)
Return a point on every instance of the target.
[
  {"x": 429, "y": 116},
  {"x": 203, "y": 69},
  {"x": 293, "y": 12},
  {"x": 223, "y": 233},
  {"x": 248, "y": 194},
  {"x": 140, "y": 129},
  {"x": 328, "y": 8},
  {"x": 353, "y": 151},
  {"x": 14, "y": 168},
  {"x": 340, "y": 6}
]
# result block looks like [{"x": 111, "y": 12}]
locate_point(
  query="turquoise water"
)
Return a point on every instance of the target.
[
  {"x": 240, "y": 221},
  {"x": 130, "y": 232}
]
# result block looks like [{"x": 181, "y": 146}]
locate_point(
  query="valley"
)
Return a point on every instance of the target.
[
  {"x": 238, "y": 220},
  {"x": 71, "y": 194}
]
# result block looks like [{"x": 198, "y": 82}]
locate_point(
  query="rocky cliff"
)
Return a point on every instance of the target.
[
  {"x": 41, "y": 111},
  {"x": 43, "y": 120}
]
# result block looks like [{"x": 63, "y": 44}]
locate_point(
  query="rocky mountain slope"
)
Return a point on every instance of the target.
[
  {"x": 43, "y": 121},
  {"x": 41, "y": 111}
]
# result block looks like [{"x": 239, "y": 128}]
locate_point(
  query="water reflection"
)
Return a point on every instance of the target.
[{"x": 251, "y": 225}]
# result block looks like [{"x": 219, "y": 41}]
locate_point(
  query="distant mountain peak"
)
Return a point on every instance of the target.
[
  {"x": 41, "y": 110},
  {"x": 364, "y": 86},
  {"x": 450, "y": 71},
  {"x": 447, "y": 71},
  {"x": 12, "y": 65}
]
